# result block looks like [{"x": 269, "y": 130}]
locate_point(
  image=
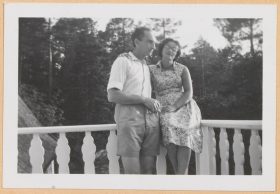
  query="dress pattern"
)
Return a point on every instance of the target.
[{"x": 181, "y": 127}]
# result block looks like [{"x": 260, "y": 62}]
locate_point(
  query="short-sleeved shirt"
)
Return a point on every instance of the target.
[{"x": 132, "y": 77}]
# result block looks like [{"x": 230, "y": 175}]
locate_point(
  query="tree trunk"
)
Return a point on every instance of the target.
[
  {"x": 123, "y": 34},
  {"x": 252, "y": 50},
  {"x": 50, "y": 62},
  {"x": 203, "y": 78},
  {"x": 163, "y": 25}
]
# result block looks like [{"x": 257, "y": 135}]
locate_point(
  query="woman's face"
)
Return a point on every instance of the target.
[{"x": 170, "y": 50}]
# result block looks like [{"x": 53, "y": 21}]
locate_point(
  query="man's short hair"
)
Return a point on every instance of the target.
[{"x": 139, "y": 33}]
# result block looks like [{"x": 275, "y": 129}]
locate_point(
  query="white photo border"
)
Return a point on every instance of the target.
[{"x": 12, "y": 179}]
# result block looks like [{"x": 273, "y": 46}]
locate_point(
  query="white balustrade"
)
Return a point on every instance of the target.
[
  {"x": 212, "y": 151},
  {"x": 63, "y": 154},
  {"x": 88, "y": 151},
  {"x": 202, "y": 160},
  {"x": 238, "y": 149},
  {"x": 36, "y": 153},
  {"x": 114, "y": 167},
  {"x": 224, "y": 151},
  {"x": 255, "y": 151},
  {"x": 205, "y": 162}
]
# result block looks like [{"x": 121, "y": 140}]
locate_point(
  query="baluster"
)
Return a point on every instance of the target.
[
  {"x": 111, "y": 147},
  {"x": 212, "y": 151},
  {"x": 202, "y": 160},
  {"x": 255, "y": 151},
  {"x": 224, "y": 151},
  {"x": 197, "y": 164},
  {"x": 62, "y": 151},
  {"x": 238, "y": 150},
  {"x": 161, "y": 161},
  {"x": 36, "y": 153},
  {"x": 88, "y": 151}
]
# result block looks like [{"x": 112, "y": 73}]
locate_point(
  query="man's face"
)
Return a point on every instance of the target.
[{"x": 147, "y": 44}]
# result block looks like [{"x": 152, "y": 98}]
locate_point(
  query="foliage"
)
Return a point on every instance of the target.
[
  {"x": 64, "y": 68},
  {"x": 47, "y": 112},
  {"x": 85, "y": 58},
  {"x": 232, "y": 84},
  {"x": 33, "y": 51},
  {"x": 165, "y": 27},
  {"x": 242, "y": 29}
]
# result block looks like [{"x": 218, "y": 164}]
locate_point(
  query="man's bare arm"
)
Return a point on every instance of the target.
[{"x": 117, "y": 96}]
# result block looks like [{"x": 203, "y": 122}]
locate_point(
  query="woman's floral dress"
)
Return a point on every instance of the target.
[{"x": 181, "y": 127}]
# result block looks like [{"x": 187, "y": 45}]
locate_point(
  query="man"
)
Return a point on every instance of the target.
[{"x": 129, "y": 87}]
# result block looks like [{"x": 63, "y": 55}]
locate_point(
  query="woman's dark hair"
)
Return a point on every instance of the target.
[
  {"x": 139, "y": 33},
  {"x": 164, "y": 42}
]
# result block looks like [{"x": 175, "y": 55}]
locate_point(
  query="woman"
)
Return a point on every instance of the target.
[{"x": 180, "y": 116}]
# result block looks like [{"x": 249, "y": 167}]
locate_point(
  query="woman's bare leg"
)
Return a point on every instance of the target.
[
  {"x": 172, "y": 155},
  {"x": 183, "y": 158}
]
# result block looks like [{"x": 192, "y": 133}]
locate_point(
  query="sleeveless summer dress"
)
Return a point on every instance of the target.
[{"x": 181, "y": 127}]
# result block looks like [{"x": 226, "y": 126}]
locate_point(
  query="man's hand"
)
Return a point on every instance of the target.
[{"x": 152, "y": 104}]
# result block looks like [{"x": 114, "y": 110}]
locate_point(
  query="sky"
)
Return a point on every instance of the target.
[{"x": 189, "y": 32}]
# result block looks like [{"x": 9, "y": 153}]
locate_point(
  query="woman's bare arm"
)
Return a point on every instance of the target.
[{"x": 188, "y": 90}]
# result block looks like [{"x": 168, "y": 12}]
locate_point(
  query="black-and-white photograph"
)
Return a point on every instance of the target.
[{"x": 150, "y": 95}]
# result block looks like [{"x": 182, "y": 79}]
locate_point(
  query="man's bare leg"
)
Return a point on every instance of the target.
[
  {"x": 147, "y": 164},
  {"x": 131, "y": 165}
]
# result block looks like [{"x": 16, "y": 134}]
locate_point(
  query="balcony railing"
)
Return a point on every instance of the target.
[{"x": 205, "y": 162}]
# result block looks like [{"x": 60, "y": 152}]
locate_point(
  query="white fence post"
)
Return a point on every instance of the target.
[{"x": 36, "y": 153}]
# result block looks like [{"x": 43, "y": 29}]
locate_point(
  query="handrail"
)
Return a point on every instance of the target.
[
  {"x": 66, "y": 129},
  {"x": 237, "y": 124}
]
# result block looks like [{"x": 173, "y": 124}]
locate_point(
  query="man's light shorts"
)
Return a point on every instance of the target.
[{"x": 134, "y": 138}]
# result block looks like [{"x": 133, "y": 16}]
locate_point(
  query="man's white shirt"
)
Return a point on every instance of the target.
[{"x": 130, "y": 75}]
